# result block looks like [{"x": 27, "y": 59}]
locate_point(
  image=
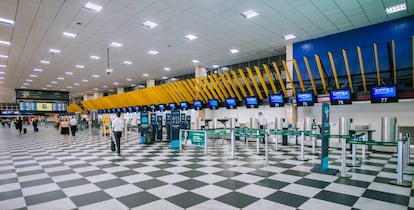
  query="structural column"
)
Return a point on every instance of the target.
[
  {"x": 291, "y": 111},
  {"x": 119, "y": 90},
  {"x": 200, "y": 72},
  {"x": 150, "y": 83}
]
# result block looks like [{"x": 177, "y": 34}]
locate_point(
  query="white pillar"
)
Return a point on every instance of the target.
[
  {"x": 291, "y": 111},
  {"x": 119, "y": 90},
  {"x": 150, "y": 83}
]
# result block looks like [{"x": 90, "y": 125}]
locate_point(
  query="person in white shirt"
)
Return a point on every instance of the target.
[
  {"x": 73, "y": 125},
  {"x": 117, "y": 128}
]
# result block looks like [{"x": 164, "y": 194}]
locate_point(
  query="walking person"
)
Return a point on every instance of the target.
[
  {"x": 64, "y": 129},
  {"x": 19, "y": 124},
  {"x": 73, "y": 125},
  {"x": 117, "y": 128}
]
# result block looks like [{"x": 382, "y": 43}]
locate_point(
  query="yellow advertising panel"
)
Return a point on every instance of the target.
[{"x": 44, "y": 107}]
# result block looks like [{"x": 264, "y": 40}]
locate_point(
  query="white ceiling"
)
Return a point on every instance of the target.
[{"x": 217, "y": 23}]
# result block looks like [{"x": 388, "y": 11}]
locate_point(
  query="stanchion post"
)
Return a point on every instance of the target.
[
  {"x": 302, "y": 147},
  {"x": 343, "y": 162},
  {"x": 257, "y": 142},
  {"x": 266, "y": 144},
  {"x": 406, "y": 157},
  {"x": 232, "y": 144},
  {"x": 313, "y": 141},
  {"x": 400, "y": 179}
]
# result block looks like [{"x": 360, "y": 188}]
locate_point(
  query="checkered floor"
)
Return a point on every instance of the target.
[{"x": 40, "y": 171}]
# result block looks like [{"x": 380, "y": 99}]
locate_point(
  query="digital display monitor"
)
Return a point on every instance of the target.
[
  {"x": 100, "y": 111},
  {"x": 251, "y": 102},
  {"x": 276, "y": 100},
  {"x": 304, "y": 99},
  {"x": 44, "y": 107},
  {"x": 118, "y": 110},
  {"x": 384, "y": 94},
  {"x": 124, "y": 110},
  {"x": 198, "y": 105},
  {"x": 144, "y": 109},
  {"x": 59, "y": 107},
  {"x": 152, "y": 108},
  {"x": 231, "y": 103},
  {"x": 339, "y": 97},
  {"x": 144, "y": 120},
  {"x": 113, "y": 111},
  {"x": 161, "y": 107},
  {"x": 108, "y": 111},
  {"x": 171, "y": 106},
  {"x": 183, "y": 105},
  {"x": 137, "y": 109},
  {"x": 213, "y": 104},
  {"x": 130, "y": 109}
]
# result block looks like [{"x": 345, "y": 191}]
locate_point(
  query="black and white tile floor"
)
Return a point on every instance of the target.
[{"x": 40, "y": 171}]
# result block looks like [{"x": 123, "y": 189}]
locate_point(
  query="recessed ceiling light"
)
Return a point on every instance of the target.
[
  {"x": 145, "y": 75},
  {"x": 127, "y": 62},
  {"x": 45, "y": 62},
  {"x": 76, "y": 84},
  {"x": 96, "y": 89},
  {"x": 3, "y": 66},
  {"x": 104, "y": 86},
  {"x": 167, "y": 69},
  {"x": 54, "y": 51},
  {"x": 63, "y": 89},
  {"x": 164, "y": 77},
  {"x": 26, "y": 84},
  {"x": 396, "y": 8},
  {"x": 38, "y": 70},
  {"x": 132, "y": 85},
  {"x": 48, "y": 85},
  {"x": 152, "y": 52},
  {"x": 29, "y": 80},
  {"x": 141, "y": 86},
  {"x": 2, "y": 72},
  {"x": 33, "y": 75},
  {"x": 95, "y": 76},
  {"x": 115, "y": 83},
  {"x": 6, "y": 21},
  {"x": 69, "y": 87},
  {"x": 53, "y": 82},
  {"x": 69, "y": 73},
  {"x": 191, "y": 37},
  {"x": 173, "y": 79},
  {"x": 93, "y": 7},
  {"x": 84, "y": 80},
  {"x": 195, "y": 61},
  {"x": 289, "y": 36},
  {"x": 109, "y": 71},
  {"x": 4, "y": 43},
  {"x": 23, "y": 87},
  {"x": 128, "y": 79},
  {"x": 69, "y": 35},
  {"x": 94, "y": 57},
  {"x": 111, "y": 90},
  {"x": 249, "y": 14},
  {"x": 215, "y": 66},
  {"x": 43, "y": 88},
  {"x": 1, "y": 78},
  {"x": 80, "y": 66},
  {"x": 115, "y": 44},
  {"x": 4, "y": 56},
  {"x": 60, "y": 78},
  {"x": 234, "y": 51},
  {"x": 148, "y": 24}
]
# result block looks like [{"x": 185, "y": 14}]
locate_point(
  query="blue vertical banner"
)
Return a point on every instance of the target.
[{"x": 324, "y": 168}]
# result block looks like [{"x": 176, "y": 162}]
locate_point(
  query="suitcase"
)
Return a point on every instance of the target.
[
  {"x": 112, "y": 145},
  {"x": 24, "y": 130}
]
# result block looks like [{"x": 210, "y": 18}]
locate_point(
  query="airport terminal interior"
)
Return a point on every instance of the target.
[{"x": 218, "y": 104}]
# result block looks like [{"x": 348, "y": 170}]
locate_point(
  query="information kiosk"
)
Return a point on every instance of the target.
[
  {"x": 153, "y": 124},
  {"x": 175, "y": 129},
  {"x": 159, "y": 128},
  {"x": 144, "y": 127},
  {"x": 168, "y": 125}
]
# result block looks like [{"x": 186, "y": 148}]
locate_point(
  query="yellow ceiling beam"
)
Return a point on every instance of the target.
[
  {"x": 226, "y": 84},
  {"x": 246, "y": 82},
  {"x": 333, "y": 69},
  {"x": 299, "y": 75},
  {"x": 231, "y": 82},
  {"x": 348, "y": 71},
  {"x": 315, "y": 92},
  {"x": 270, "y": 78},
  {"x": 279, "y": 77},
  {"x": 262, "y": 82},
  {"x": 255, "y": 85},
  {"x": 292, "y": 85},
  {"x": 215, "y": 87},
  {"x": 220, "y": 86}
]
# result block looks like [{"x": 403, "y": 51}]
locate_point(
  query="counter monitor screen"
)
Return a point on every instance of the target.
[
  {"x": 231, "y": 103},
  {"x": 213, "y": 104},
  {"x": 304, "y": 99},
  {"x": 183, "y": 105},
  {"x": 161, "y": 107},
  {"x": 251, "y": 102},
  {"x": 276, "y": 100},
  {"x": 137, "y": 109},
  {"x": 152, "y": 108},
  {"x": 124, "y": 110},
  {"x": 171, "y": 106},
  {"x": 100, "y": 112},
  {"x": 130, "y": 109},
  {"x": 339, "y": 97},
  {"x": 118, "y": 110},
  {"x": 197, "y": 105},
  {"x": 384, "y": 94}
]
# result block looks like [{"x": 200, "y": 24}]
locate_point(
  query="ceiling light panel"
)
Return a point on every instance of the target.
[
  {"x": 76, "y": 84},
  {"x": 38, "y": 70},
  {"x": 191, "y": 37},
  {"x": 289, "y": 36},
  {"x": 29, "y": 80},
  {"x": 54, "y": 51},
  {"x": 84, "y": 80},
  {"x": 69, "y": 73},
  {"x": 127, "y": 63},
  {"x": 53, "y": 82},
  {"x": 234, "y": 51},
  {"x": 33, "y": 75},
  {"x": 167, "y": 69},
  {"x": 94, "y": 57},
  {"x": 80, "y": 66},
  {"x": 45, "y": 62},
  {"x": 195, "y": 61},
  {"x": 115, "y": 44},
  {"x": 2, "y": 72},
  {"x": 95, "y": 76},
  {"x": 115, "y": 83},
  {"x": 152, "y": 52},
  {"x": 249, "y": 14},
  {"x": 6, "y": 21},
  {"x": 3, "y": 66},
  {"x": 215, "y": 66},
  {"x": 69, "y": 35},
  {"x": 145, "y": 75},
  {"x": 396, "y": 8},
  {"x": 60, "y": 78},
  {"x": 92, "y": 7},
  {"x": 4, "y": 43},
  {"x": 149, "y": 24},
  {"x": 4, "y": 56}
]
